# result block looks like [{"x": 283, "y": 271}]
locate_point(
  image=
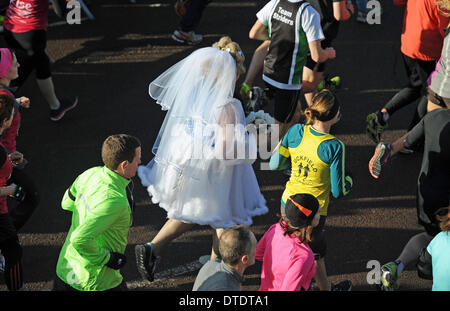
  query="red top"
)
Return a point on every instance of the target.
[
  {"x": 423, "y": 29},
  {"x": 26, "y": 15},
  {"x": 8, "y": 139},
  {"x": 5, "y": 173}
]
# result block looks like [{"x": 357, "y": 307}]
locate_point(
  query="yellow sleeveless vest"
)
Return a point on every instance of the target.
[{"x": 309, "y": 173}]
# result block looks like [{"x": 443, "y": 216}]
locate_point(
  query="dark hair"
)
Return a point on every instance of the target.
[
  {"x": 6, "y": 107},
  {"x": 303, "y": 234},
  {"x": 443, "y": 215},
  {"x": 234, "y": 243},
  {"x": 119, "y": 148}
]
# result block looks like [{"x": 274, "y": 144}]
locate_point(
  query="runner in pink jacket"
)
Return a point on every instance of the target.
[{"x": 288, "y": 261}]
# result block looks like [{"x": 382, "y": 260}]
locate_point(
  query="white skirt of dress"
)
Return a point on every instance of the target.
[{"x": 220, "y": 195}]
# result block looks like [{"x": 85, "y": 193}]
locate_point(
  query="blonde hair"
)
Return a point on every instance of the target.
[
  {"x": 444, "y": 7},
  {"x": 321, "y": 106},
  {"x": 226, "y": 44}
]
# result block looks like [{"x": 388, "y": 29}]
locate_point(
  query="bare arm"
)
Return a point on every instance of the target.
[
  {"x": 259, "y": 32},
  {"x": 343, "y": 10},
  {"x": 318, "y": 54}
]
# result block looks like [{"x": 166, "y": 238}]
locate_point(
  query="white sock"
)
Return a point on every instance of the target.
[{"x": 48, "y": 91}]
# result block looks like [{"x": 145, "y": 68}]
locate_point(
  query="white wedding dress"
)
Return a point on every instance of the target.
[{"x": 206, "y": 189}]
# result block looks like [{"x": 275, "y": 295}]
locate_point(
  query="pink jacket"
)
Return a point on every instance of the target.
[{"x": 288, "y": 264}]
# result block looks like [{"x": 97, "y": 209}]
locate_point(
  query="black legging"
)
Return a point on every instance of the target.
[
  {"x": 194, "y": 11},
  {"x": 23, "y": 211},
  {"x": 30, "y": 51},
  {"x": 12, "y": 251},
  {"x": 11, "y": 223},
  {"x": 418, "y": 72}
]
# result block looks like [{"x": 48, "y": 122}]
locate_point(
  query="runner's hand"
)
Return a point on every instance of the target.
[
  {"x": 116, "y": 261},
  {"x": 25, "y": 102},
  {"x": 16, "y": 157},
  {"x": 331, "y": 52}
]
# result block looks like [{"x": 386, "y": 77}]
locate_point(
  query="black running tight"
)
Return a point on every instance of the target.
[
  {"x": 30, "y": 52},
  {"x": 12, "y": 251},
  {"x": 418, "y": 72}
]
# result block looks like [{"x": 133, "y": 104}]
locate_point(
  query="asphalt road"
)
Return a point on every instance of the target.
[{"x": 108, "y": 62}]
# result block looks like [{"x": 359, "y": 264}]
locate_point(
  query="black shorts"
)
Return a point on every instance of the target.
[
  {"x": 318, "y": 241},
  {"x": 418, "y": 71},
  {"x": 285, "y": 102},
  {"x": 438, "y": 100},
  {"x": 29, "y": 48}
]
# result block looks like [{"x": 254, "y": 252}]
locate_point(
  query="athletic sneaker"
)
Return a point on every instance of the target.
[
  {"x": 374, "y": 128},
  {"x": 65, "y": 105},
  {"x": 331, "y": 84},
  {"x": 146, "y": 261},
  {"x": 383, "y": 153},
  {"x": 190, "y": 37},
  {"x": 389, "y": 277},
  {"x": 344, "y": 286}
]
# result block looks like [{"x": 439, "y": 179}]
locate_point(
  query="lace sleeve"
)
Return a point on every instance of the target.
[{"x": 233, "y": 143}]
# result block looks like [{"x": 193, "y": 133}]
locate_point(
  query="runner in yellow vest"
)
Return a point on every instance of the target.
[{"x": 317, "y": 162}]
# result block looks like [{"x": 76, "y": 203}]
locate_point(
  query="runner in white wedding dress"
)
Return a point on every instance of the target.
[{"x": 201, "y": 172}]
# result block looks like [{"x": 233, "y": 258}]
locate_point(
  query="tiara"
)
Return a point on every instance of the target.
[{"x": 239, "y": 51}]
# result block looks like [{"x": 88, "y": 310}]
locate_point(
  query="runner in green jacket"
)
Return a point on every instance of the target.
[{"x": 93, "y": 253}]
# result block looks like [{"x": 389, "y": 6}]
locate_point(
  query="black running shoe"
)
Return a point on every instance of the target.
[
  {"x": 145, "y": 261},
  {"x": 65, "y": 105}
]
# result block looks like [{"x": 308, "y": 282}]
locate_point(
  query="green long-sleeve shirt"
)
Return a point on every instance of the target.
[{"x": 101, "y": 218}]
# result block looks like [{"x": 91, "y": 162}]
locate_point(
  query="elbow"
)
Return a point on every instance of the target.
[
  {"x": 338, "y": 16},
  {"x": 316, "y": 56},
  {"x": 337, "y": 193}
]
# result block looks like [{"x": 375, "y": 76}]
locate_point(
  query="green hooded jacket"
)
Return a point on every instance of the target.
[{"x": 101, "y": 218}]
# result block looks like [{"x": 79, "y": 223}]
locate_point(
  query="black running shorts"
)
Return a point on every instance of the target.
[{"x": 285, "y": 102}]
